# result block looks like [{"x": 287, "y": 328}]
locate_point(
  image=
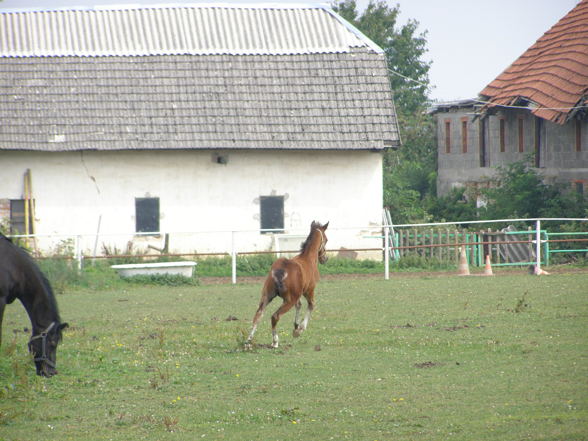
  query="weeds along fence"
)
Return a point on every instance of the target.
[{"x": 506, "y": 241}]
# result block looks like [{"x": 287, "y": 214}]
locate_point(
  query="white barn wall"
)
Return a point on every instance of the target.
[{"x": 73, "y": 190}]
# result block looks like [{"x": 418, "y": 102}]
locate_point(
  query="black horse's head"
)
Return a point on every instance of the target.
[{"x": 43, "y": 347}]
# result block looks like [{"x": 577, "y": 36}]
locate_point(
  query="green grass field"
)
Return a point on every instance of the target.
[{"x": 413, "y": 358}]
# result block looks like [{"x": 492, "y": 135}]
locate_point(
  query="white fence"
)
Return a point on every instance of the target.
[{"x": 374, "y": 241}]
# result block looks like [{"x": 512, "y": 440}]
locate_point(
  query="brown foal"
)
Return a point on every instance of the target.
[{"x": 291, "y": 279}]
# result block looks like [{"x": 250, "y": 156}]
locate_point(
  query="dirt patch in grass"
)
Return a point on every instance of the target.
[
  {"x": 456, "y": 328},
  {"x": 427, "y": 365}
]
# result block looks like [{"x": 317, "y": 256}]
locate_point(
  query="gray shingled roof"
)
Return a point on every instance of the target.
[{"x": 294, "y": 99}]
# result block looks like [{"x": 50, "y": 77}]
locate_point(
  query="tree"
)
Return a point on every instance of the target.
[
  {"x": 519, "y": 191},
  {"x": 453, "y": 206}
]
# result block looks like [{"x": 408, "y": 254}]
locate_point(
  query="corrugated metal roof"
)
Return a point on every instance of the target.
[
  {"x": 552, "y": 74},
  {"x": 258, "y": 78},
  {"x": 172, "y": 30}
]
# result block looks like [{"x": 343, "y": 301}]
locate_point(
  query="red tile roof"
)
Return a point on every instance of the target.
[{"x": 552, "y": 74}]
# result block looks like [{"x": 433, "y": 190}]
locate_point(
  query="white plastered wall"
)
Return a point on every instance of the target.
[{"x": 85, "y": 193}]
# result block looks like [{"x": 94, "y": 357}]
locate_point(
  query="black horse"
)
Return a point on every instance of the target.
[{"x": 21, "y": 278}]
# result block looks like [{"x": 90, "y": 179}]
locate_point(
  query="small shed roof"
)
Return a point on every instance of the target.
[
  {"x": 259, "y": 76},
  {"x": 446, "y": 106},
  {"x": 552, "y": 75}
]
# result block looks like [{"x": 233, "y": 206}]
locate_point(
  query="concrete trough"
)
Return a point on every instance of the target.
[{"x": 185, "y": 269}]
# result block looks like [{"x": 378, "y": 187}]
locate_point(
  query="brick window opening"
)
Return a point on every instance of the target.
[
  {"x": 578, "y": 136},
  {"x": 521, "y": 135},
  {"x": 447, "y": 136},
  {"x": 464, "y": 135},
  {"x": 502, "y": 123}
]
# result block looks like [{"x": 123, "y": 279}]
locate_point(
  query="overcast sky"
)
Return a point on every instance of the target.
[{"x": 470, "y": 42}]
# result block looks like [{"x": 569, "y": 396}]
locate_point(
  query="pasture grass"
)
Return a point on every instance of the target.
[{"x": 413, "y": 358}]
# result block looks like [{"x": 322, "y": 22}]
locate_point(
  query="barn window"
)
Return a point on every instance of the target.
[
  {"x": 272, "y": 213},
  {"x": 147, "y": 215},
  {"x": 502, "y": 123},
  {"x": 17, "y": 217},
  {"x": 447, "y": 136},
  {"x": 464, "y": 135}
]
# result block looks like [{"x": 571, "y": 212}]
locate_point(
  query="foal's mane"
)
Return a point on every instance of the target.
[{"x": 306, "y": 244}]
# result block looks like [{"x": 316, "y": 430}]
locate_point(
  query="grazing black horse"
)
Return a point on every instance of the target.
[{"x": 21, "y": 278}]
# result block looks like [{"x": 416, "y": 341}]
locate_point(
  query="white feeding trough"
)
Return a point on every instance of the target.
[{"x": 185, "y": 269}]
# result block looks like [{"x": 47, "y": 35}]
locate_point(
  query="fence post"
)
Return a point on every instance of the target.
[
  {"x": 233, "y": 259},
  {"x": 547, "y": 249},
  {"x": 538, "y": 245},
  {"x": 79, "y": 256},
  {"x": 386, "y": 252}
]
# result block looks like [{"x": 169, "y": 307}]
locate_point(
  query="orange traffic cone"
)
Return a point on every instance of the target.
[
  {"x": 463, "y": 269},
  {"x": 488, "y": 267}
]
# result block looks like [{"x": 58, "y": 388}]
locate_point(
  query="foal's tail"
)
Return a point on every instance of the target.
[{"x": 279, "y": 275}]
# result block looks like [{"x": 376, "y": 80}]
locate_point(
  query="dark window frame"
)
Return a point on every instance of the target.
[
  {"x": 271, "y": 214},
  {"x": 147, "y": 215},
  {"x": 17, "y": 216}
]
